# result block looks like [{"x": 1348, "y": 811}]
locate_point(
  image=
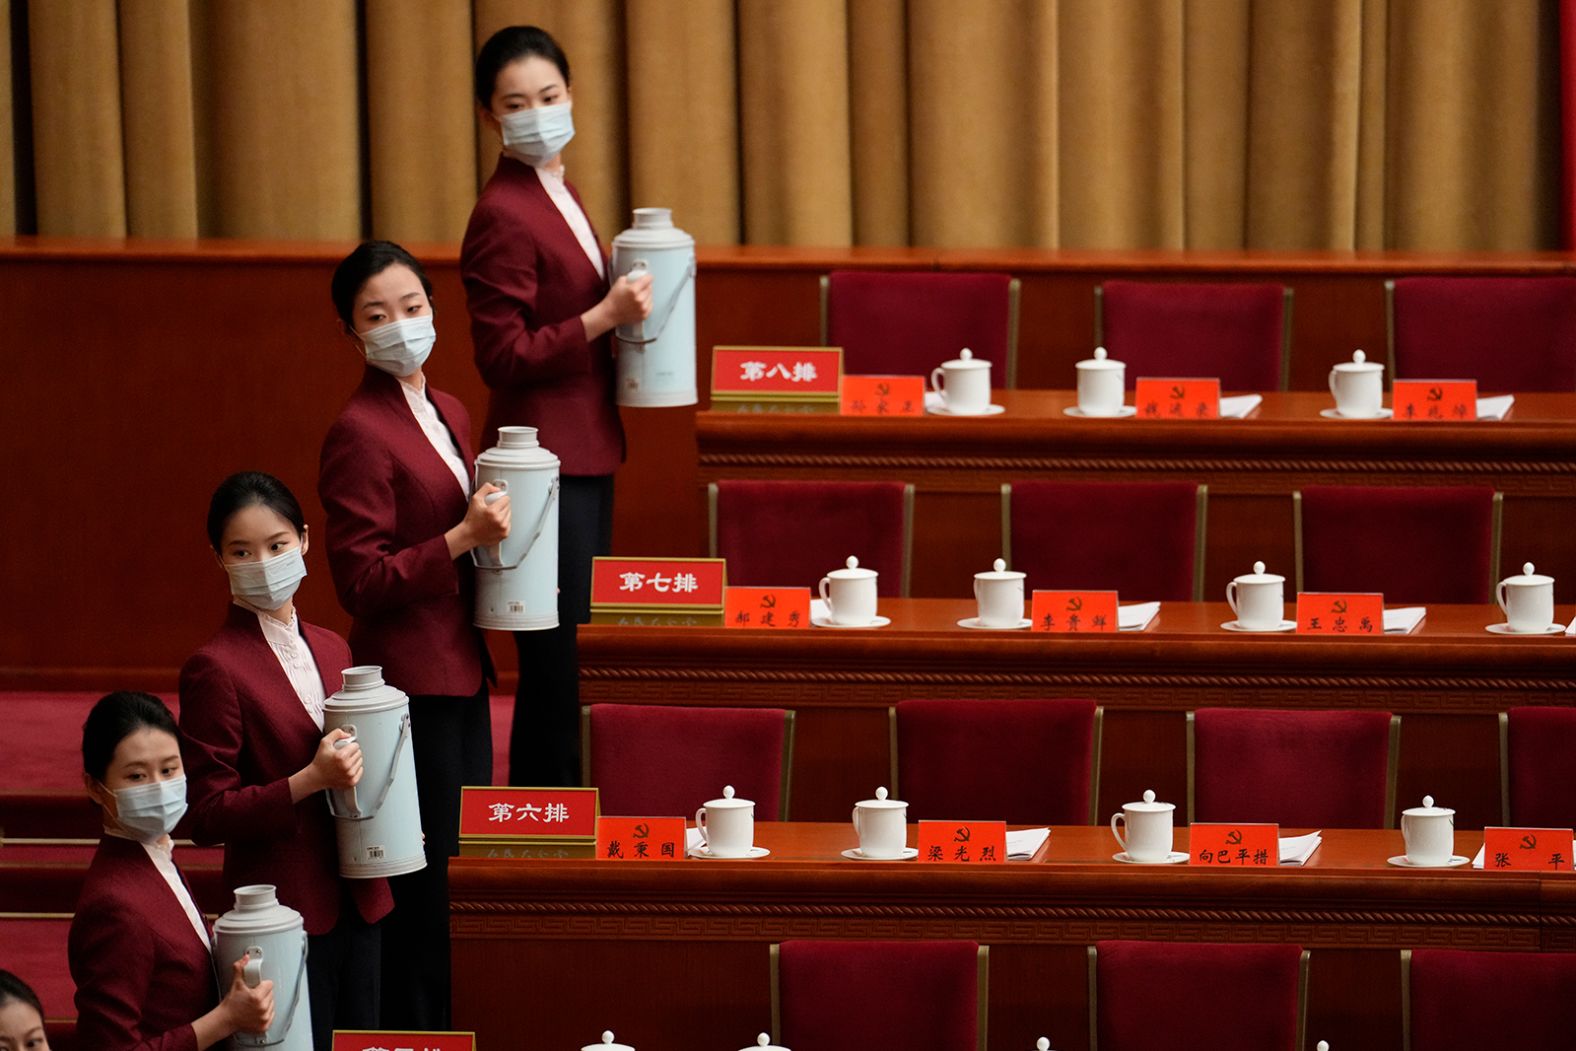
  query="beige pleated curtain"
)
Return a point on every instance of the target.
[{"x": 1281, "y": 124}]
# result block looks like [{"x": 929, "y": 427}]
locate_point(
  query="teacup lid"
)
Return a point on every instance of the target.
[
  {"x": 727, "y": 801},
  {"x": 966, "y": 360},
  {"x": 607, "y": 1044},
  {"x": 881, "y": 802},
  {"x": 1149, "y": 806},
  {"x": 999, "y": 571},
  {"x": 1258, "y": 576},
  {"x": 853, "y": 572},
  {"x": 1323, "y": 1045},
  {"x": 1527, "y": 577},
  {"x": 1042, "y": 1044},
  {"x": 763, "y": 1042},
  {"x": 1100, "y": 361},
  {"x": 1428, "y": 809},
  {"x": 1359, "y": 363}
]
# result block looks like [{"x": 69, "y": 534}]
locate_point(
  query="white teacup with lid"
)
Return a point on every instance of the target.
[
  {"x": 1258, "y": 599},
  {"x": 763, "y": 1043},
  {"x": 1101, "y": 383},
  {"x": 850, "y": 594},
  {"x": 999, "y": 595},
  {"x": 1528, "y": 601},
  {"x": 1358, "y": 387},
  {"x": 1430, "y": 833},
  {"x": 963, "y": 383},
  {"x": 607, "y": 1044},
  {"x": 1148, "y": 829},
  {"x": 882, "y": 826},
  {"x": 727, "y": 825}
]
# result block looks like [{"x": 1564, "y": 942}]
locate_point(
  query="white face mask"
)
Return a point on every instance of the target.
[
  {"x": 150, "y": 811},
  {"x": 268, "y": 584},
  {"x": 536, "y": 136},
  {"x": 400, "y": 347}
]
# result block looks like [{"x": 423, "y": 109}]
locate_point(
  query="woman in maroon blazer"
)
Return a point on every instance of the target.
[
  {"x": 252, "y": 711},
  {"x": 402, "y": 521},
  {"x": 542, "y": 314},
  {"x": 139, "y": 946}
]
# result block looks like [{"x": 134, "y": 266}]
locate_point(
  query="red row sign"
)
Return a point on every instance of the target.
[
  {"x": 1337, "y": 613},
  {"x": 766, "y": 608},
  {"x": 1434, "y": 401},
  {"x": 1233, "y": 846},
  {"x": 963, "y": 842},
  {"x": 528, "y": 813},
  {"x": 1177, "y": 399},
  {"x": 1527, "y": 849},
  {"x": 776, "y": 372},
  {"x": 390, "y": 1040},
  {"x": 1073, "y": 612},
  {"x": 883, "y": 396},
  {"x": 682, "y": 583},
  {"x": 640, "y": 839}
]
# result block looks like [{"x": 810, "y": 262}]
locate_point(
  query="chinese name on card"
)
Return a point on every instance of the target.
[
  {"x": 784, "y": 609},
  {"x": 1333, "y": 613},
  {"x": 1434, "y": 401},
  {"x": 640, "y": 839},
  {"x": 1233, "y": 846},
  {"x": 963, "y": 842},
  {"x": 1177, "y": 399},
  {"x": 1073, "y": 612}
]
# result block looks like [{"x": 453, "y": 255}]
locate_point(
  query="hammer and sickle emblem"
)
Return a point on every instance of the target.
[
  {"x": 1339, "y": 606},
  {"x": 1233, "y": 837},
  {"x": 1074, "y": 604}
]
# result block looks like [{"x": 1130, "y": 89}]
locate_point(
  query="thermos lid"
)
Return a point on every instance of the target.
[
  {"x": 1527, "y": 578},
  {"x": 258, "y": 911},
  {"x": 966, "y": 360},
  {"x": 1100, "y": 362},
  {"x": 727, "y": 802},
  {"x": 1149, "y": 806},
  {"x": 1359, "y": 363},
  {"x": 607, "y": 1044},
  {"x": 763, "y": 1043},
  {"x": 881, "y": 802},
  {"x": 853, "y": 572},
  {"x": 517, "y": 447},
  {"x": 1428, "y": 809},
  {"x": 653, "y": 229},
  {"x": 652, "y": 218},
  {"x": 365, "y": 691},
  {"x": 1258, "y": 576},
  {"x": 999, "y": 571}
]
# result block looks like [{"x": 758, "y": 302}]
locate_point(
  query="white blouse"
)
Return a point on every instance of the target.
[
  {"x": 438, "y": 435},
  {"x": 296, "y": 659},
  {"x": 574, "y": 215}
]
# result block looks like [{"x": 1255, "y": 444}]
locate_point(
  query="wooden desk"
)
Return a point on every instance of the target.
[
  {"x": 1448, "y": 680},
  {"x": 674, "y": 956},
  {"x": 1251, "y": 467}
]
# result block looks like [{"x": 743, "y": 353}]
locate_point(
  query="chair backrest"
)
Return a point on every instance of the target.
[
  {"x": 668, "y": 760},
  {"x": 1238, "y": 332},
  {"x": 857, "y": 995},
  {"x": 1145, "y": 539},
  {"x": 1456, "y": 998},
  {"x": 1330, "y": 769},
  {"x": 1508, "y": 333},
  {"x": 1024, "y": 762},
  {"x": 1414, "y": 543},
  {"x": 903, "y": 323},
  {"x": 1536, "y": 748},
  {"x": 759, "y": 527},
  {"x": 1198, "y": 994}
]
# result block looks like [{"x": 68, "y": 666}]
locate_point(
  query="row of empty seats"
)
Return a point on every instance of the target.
[{"x": 1508, "y": 333}]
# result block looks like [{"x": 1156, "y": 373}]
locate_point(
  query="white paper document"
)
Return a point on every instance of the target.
[
  {"x": 692, "y": 839},
  {"x": 1496, "y": 407},
  {"x": 1295, "y": 850},
  {"x": 1404, "y": 619},
  {"x": 1237, "y": 406},
  {"x": 1022, "y": 844},
  {"x": 1137, "y": 616},
  {"x": 1477, "y": 859}
]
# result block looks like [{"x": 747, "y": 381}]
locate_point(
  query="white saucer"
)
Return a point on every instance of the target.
[
  {"x": 824, "y": 622},
  {"x": 1176, "y": 857},
  {"x": 1455, "y": 862},
  {"x": 1123, "y": 413},
  {"x": 1285, "y": 625},
  {"x": 1337, "y": 414},
  {"x": 704, "y": 854},
  {"x": 937, "y": 410},
  {"x": 1504, "y": 629},
  {"x": 974, "y": 622},
  {"x": 909, "y": 854}
]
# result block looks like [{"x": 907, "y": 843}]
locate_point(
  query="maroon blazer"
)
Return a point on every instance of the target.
[
  {"x": 142, "y": 976},
  {"x": 527, "y": 281},
  {"x": 245, "y": 733},
  {"x": 390, "y": 499}
]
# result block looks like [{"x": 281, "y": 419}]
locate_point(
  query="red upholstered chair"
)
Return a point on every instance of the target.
[
  {"x": 1025, "y": 762},
  {"x": 761, "y": 529},
  {"x": 1181, "y": 996},
  {"x": 1145, "y": 539},
  {"x": 1535, "y": 750},
  {"x": 1298, "y": 769},
  {"x": 1461, "y": 1000},
  {"x": 1508, "y": 333},
  {"x": 903, "y": 323},
  {"x": 656, "y": 759},
  {"x": 1414, "y": 543},
  {"x": 857, "y": 995},
  {"x": 1238, "y": 332}
]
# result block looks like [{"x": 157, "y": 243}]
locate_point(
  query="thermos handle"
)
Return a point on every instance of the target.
[
  {"x": 494, "y": 553},
  {"x": 354, "y": 813},
  {"x": 252, "y": 973},
  {"x": 404, "y": 735},
  {"x": 662, "y": 315},
  {"x": 295, "y": 1000},
  {"x": 536, "y": 534}
]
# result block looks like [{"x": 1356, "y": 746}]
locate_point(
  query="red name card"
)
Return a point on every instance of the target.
[
  {"x": 1177, "y": 399},
  {"x": 640, "y": 839},
  {"x": 528, "y": 813},
  {"x": 776, "y": 373},
  {"x": 1233, "y": 846},
  {"x": 1435, "y": 401},
  {"x": 388, "y": 1040},
  {"x": 1336, "y": 613},
  {"x": 1073, "y": 611},
  {"x": 883, "y": 396},
  {"x": 963, "y": 842},
  {"x": 645, "y": 583},
  {"x": 1527, "y": 849},
  {"x": 768, "y": 608}
]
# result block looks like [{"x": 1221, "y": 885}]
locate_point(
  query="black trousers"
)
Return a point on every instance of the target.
[
  {"x": 544, "y": 739},
  {"x": 451, "y": 738},
  {"x": 343, "y": 976}
]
